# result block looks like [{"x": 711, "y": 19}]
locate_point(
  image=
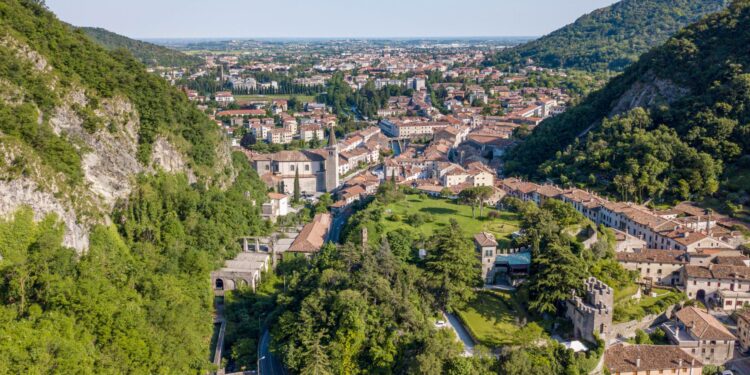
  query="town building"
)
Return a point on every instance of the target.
[
  {"x": 743, "y": 329},
  {"x": 654, "y": 265},
  {"x": 702, "y": 336},
  {"x": 410, "y": 129},
  {"x": 627, "y": 243},
  {"x": 280, "y": 136},
  {"x": 486, "y": 246},
  {"x": 507, "y": 266},
  {"x": 312, "y": 237},
  {"x": 724, "y": 282},
  {"x": 277, "y": 205},
  {"x": 317, "y": 170},
  {"x": 312, "y": 131},
  {"x": 417, "y": 83},
  {"x": 224, "y": 97},
  {"x": 625, "y": 359}
]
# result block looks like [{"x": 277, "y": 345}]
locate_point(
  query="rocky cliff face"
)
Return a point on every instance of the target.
[
  {"x": 648, "y": 92},
  {"x": 108, "y": 157},
  {"x": 167, "y": 158}
]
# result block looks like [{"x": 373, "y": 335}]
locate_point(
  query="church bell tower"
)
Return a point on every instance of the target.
[{"x": 332, "y": 163}]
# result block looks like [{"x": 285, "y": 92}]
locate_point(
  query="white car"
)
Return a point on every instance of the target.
[{"x": 440, "y": 323}]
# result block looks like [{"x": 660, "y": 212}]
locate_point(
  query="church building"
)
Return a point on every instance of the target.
[{"x": 317, "y": 170}]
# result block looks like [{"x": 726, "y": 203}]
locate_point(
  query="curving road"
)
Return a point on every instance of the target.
[{"x": 268, "y": 364}]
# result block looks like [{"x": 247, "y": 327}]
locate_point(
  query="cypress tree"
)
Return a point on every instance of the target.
[{"x": 296, "y": 186}]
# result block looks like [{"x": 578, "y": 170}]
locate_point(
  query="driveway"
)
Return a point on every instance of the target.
[{"x": 462, "y": 333}]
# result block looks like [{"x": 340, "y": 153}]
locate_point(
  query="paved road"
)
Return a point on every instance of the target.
[
  {"x": 462, "y": 334},
  {"x": 740, "y": 366},
  {"x": 268, "y": 364},
  {"x": 338, "y": 225}
]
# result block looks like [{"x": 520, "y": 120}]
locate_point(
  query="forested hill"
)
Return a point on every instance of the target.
[
  {"x": 676, "y": 124},
  {"x": 117, "y": 198},
  {"x": 150, "y": 54},
  {"x": 611, "y": 37}
]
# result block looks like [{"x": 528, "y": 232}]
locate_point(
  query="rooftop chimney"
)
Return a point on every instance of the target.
[{"x": 638, "y": 363}]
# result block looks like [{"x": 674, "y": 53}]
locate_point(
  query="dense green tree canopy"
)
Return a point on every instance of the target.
[
  {"x": 148, "y": 53},
  {"x": 139, "y": 300},
  {"x": 677, "y": 144},
  {"x": 612, "y": 37}
]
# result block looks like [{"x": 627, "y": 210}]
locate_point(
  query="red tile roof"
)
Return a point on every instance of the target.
[
  {"x": 704, "y": 326},
  {"x": 313, "y": 235},
  {"x": 635, "y": 358}
]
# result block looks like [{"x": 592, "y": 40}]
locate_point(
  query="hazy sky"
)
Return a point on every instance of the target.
[{"x": 323, "y": 18}]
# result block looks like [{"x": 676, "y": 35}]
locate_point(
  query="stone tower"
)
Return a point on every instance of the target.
[
  {"x": 592, "y": 315},
  {"x": 332, "y": 163}
]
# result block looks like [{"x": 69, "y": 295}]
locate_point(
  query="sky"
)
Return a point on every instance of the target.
[{"x": 144, "y": 19}]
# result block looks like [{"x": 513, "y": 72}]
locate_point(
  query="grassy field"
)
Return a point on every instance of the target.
[
  {"x": 442, "y": 210},
  {"x": 304, "y": 98},
  {"x": 627, "y": 309},
  {"x": 493, "y": 318},
  {"x": 623, "y": 295}
]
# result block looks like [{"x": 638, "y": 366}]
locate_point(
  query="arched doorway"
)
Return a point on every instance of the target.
[
  {"x": 219, "y": 284},
  {"x": 701, "y": 296}
]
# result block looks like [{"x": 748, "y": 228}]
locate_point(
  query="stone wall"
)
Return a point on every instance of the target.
[{"x": 627, "y": 329}]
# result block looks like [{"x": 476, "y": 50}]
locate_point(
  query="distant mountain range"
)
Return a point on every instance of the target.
[
  {"x": 674, "y": 125},
  {"x": 612, "y": 37},
  {"x": 149, "y": 53}
]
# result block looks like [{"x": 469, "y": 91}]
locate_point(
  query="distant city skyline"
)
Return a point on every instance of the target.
[{"x": 166, "y": 19}]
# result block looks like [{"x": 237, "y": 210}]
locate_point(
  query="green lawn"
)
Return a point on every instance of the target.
[
  {"x": 623, "y": 294},
  {"x": 627, "y": 309},
  {"x": 442, "y": 210},
  {"x": 304, "y": 98},
  {"x": 492, "y": 318}
]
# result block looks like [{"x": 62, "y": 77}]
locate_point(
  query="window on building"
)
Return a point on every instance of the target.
[{"x": 291, "y": 167}]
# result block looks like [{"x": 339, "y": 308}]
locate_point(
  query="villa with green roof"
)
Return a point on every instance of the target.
[{"x": 501, "y": 266}]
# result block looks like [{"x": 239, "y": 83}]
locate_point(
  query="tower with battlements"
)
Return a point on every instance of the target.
[{"x": 592, "y": 314}]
